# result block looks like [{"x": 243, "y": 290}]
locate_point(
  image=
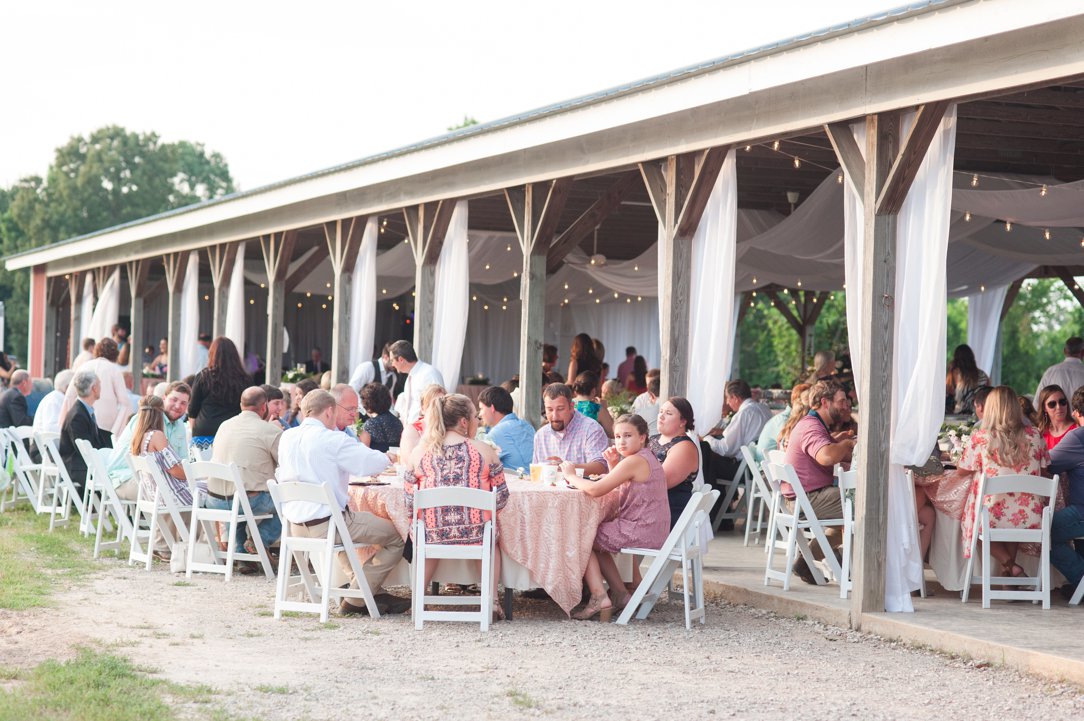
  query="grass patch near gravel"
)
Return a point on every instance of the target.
[
  {"x": 34, "y": 562},
  {"x": 521, "y": 699}
]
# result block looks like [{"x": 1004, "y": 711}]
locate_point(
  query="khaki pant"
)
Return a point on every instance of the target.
[
  {"x": 826, "y": 505},
  {"x": 365, "y": 529}
]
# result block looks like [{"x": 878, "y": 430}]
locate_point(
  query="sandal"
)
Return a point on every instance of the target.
[
  {"x": 498, "y": 611},
  {"x": 598, "y": 606},
  {"x": 1011, "y": 568},
  {"x": 620, "y": 603}
]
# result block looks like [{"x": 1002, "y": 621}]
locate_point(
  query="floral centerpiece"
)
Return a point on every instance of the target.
[
  {"x": 294, "y": 375},
  {"x": 954, "y": 437},
  {"x": 620, "y": 403}
]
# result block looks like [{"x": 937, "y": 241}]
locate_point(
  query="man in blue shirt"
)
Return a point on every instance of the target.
[
  {"x": 513, "y": 436},
  {"x": 1068, "y": 524}
]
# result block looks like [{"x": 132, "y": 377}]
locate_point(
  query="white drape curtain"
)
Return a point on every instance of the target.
[
  {"x": 107, "y": 309},
  {"x": 983, "y": 319},
  {"x": 86, "y": 312},
  {"x": 189, "y": 317},
  {"x": 451, "y": 302},
  {"x": 235, "y": 303},
  {"x": 918, "y": 391},
  {"x": 712, "y": 317},
  {"x": 363, "y": 297}
]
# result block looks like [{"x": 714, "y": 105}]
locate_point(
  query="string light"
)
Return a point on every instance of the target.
[
  {"x": 508, "y": 248},
  {"x": 485, "y": 307},
  {"x": 590, "y": 291},
  {"x": 1008, "y": 226},
  {"x": 504, "y": 307},
  {"x": 565, "y": 300},
  {"x": 598, "y": 300},
  {"x": 967, "y": 216},
  {"x": 206, "y": 297},
  {"x": 308, "y": 295},
  {"x": 298, "y": 305},
  {"x": 754, "y": 294},
  {"x": 748, "y": 148},
  {"x": 487, "y": 266},
  {"x": 754, "y": 280},
  {"x": 383, "y": 291},
  {"x": 799, "y": 282},
  {"x": 975, "y": 181},
  {"x": 395, "y": 306},
  {"x": 504, "y": 299},
  {"x": 413, "y": 294},
  {"x": 797, "y": 162},
  {"x": 328, "y": 285},
  {"x": 615, "y": 295},
  {"x": 839, "y": 178},
  {"x": 1046, "y": 234},
  {"x": 263, "y": 285},
  {"x": 1042, "y": 191},
  {"x": 515, "y": 273},
  {"x": 474, "y": 297},
  {"x": 636, "y": 267},
  {"x": 628, "y": 300},
  {"x": 640, "y": 298},
  {"x": 406, "y": 240},
  {"x": 251, "y": 301},
  {"x": 775, "y": 145},
  {"x": 982, "y": 288},
  {"x": 324, "y": 306},
  {"x": 566, "y": 286}
]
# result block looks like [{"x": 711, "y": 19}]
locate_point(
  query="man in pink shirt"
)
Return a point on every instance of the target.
[{"x": 813, "y": 452}]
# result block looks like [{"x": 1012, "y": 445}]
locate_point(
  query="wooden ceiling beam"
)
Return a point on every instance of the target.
[{"x": 590, "y": 219}]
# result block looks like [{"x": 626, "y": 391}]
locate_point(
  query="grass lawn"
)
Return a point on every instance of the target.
[{"x": 34, "y": 561}]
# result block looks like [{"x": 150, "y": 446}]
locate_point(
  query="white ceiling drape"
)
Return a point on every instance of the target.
[
  {"x": 107, "y": 309},
  {"x": 86, "y": 312},
  {"x": 451, "y": 302},
  {"x": 235, "y": 307},
  {"x": 983, "y": 321}
]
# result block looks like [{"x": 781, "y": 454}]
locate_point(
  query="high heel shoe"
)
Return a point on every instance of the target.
[{"x": 596, "y": 607}]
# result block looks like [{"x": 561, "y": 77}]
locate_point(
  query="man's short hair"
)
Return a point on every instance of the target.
[
  {"x": 549, "y": 353},
  {"x": 19, "y": 377},
  {"x": 499, "y": 398},
  {"x": 179, "y": 387},
  {"x": 272, "y": 393},
  {"x": 739, "y": 389},
  {"x": 403, "y": 349},
  {"x": 84, "y": 383},
  {"x": 1078, "y": 401},
  {"x": 89, "y": 343},
  {"x": 654, "y": 385},
  {"x": 823, "y": 390},
  {"x": 978, "y": 398},
  {"x": 205, "y": 337},
  {"x": 316, "y": 402},
  {"x": 557, "y": 390},
  {"x": 253, "y": 397},
  {"x": 631, "y": 350},
  {"x": 1074, "y": 347}
]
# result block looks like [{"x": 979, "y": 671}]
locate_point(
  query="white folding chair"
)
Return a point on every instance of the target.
[
  {"x": 758, "y": 495},
  {"x": 27, "y": 472},
  {"x": 475, "y": 498},
  {"x": 916, "y": 537},
  {"x": 161, "y": 504},
  {"x": 994, "y": 485},
  {"x": 61, "y": 491},
  {"x": 791, "y": 528},
  {"x": 681, "y": 549},
  {"x": 740, "y": 482},
  {"x": 1079, "y": 592},
  {"x": 112, "y": 512},
  {"x": 778, "y": 456},
  {"x": 848, "y": 485},
  {"x": 19, "y": 489},
  {"x": 204, "y": 519},
  {"x": 314, "y": 556}
]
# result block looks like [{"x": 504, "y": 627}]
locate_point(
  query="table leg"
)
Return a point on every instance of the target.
[
  {"x": 434, "y": 588},
  {"x": 508, "y": 603}
]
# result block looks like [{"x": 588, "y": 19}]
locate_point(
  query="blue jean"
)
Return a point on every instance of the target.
[
  {"x": 270, "y": 528},
  {"x": 1068, "y": 523}
]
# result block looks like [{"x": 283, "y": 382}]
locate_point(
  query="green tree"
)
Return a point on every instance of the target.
[{"x": 110, "y": 177}]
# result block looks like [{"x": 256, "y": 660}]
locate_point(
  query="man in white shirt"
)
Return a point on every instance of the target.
[
  {"x": 744, "y": 428},
  {"x": 203, "y": 350},
  {"x": 317, "y": 452},
  {"x": 47, "y": 417},
  {"x": 419, "y": 376},
  {"x": 647, "y": 403},
  {"x": 86, "y": 355},
  {"x": 367, "y": 371},
  {"x": 1069, "y": 374}
]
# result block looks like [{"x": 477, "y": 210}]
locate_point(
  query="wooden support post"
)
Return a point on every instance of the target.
[
  {"x": 427, "y": 224},
  {"x": 1072, "y": 285},
  {"x": 39, "y": 326},
  {"x": 54, "y": 291},
  {"x": 1010, "y": 298},
  {"x": 137, "y": 286},
  {"x": 75, "y": 293},
  {"x": 536, "y": 209},
  {"x": 679, "y": 188},
  {"x": 343, "y": 243},
  {"x": 278, "y": 251},
  {"x": 221, "y": 259},
  {"x": 176, "y": 264}
]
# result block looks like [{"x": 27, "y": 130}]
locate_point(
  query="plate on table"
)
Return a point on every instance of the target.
[{"x": 370, "y": 481}]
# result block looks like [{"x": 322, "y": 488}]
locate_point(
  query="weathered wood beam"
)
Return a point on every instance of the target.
[
  {"x": 343, "y": 243},
  {"x": 175, "y": 264},
  {"x": 910, "y": 156},
  {"x": 700, "y": 179},
  {"x": 780, "y": 305},
  {"x": 743, "y": 306},
  {"x": 278, "y": 251},
  {"x": 75, "y": 280},
  {"x": 427, "y": 224},
  {"x": 1010, "y": 298},
  {"x": 304, "y": 269},
  {"x": 137, "y": 271},
  {"x": 848, "y": 154},
  {"x": 221, "y": 259},
  {"x": 1072, "y": 285},
  {"x": 536, "y": 208},
  {"x": 590, "y": 219}
]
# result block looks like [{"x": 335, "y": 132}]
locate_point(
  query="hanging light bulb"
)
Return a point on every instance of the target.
[
  {"x": 383, "y": 291},
  {"x": 1008, "y": 226},
  {"x": 754, "y": 280},
  {"x": 628, "y": 300},
  {"x": 485, "y": 307},
  {"x": 982, "y": 288},
  {"x": 487, "y": 266},
  {"x": 775, "y": 145},
  {"x": 1042, "y": 191},
  {"x": 615, "y": 295},
  {"x": 967, "y": 216},
  {"x": 799, "y": 282},
  {"x": 839, "y": 177},
  {"x": 1046, "y": 234},
  {"x": 474, "y": 297},
  {"x": 797, "y": 162},
  {"x": 566, "y": 286},
  {"x": 636, "y": 267},
  {"x": 504, "y": 307},
  {"x": 324, "y": 306},
  {"x": 328, "y": 285},
  {"x": 640, "y": 297},
  {"x": 975, "y": 180},
  {"x": 508, "y": 248},
  {"x": 298, "y": 305},
  {"x": 748, "y": 148},
  {"x": 590, "y": 291},
  {"x": 251, "y": 301},
  {"x": 598, "y": 300},
  {"x": 308, "y": 295},
  {"x": 515, "y": 273}
]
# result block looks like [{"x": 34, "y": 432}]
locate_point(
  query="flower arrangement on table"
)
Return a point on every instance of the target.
[
  {"x": 294, "y": 375},
  {"x": 954, "y": 437},
  {"x": 478, "y": 379},
  {"x": 620, "y": 403}
]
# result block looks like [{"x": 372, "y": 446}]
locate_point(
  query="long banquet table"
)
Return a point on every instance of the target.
[{"x": 545, "y": 533}]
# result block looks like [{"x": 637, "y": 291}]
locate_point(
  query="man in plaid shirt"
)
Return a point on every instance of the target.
[{"x": 569, "y": 435}]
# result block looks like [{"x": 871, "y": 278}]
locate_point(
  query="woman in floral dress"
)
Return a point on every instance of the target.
[
  {"x": 449, "y": 456},
  {"x": 1003, "y": 445}
]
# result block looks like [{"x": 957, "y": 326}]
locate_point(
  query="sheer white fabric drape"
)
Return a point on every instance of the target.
[
  {"x": 189, "y": 318},
  {"x": 983, "y": 319},
  {"x": 363, "y": 297},
  {"x": 86, "y": 312},
  {"x": 452, "y": 299},
  {"x": 107, "y": 309},
  {"x": 235, "y": 305},
  {"x": 712, "y": 317}
]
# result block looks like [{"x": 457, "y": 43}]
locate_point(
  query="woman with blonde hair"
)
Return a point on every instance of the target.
[
  {"x": 448, "y": 456},
  {"x": 413, "y": 432},
  {"x": 1003, "y": 445},
  {"x": 799, "y": 409}
]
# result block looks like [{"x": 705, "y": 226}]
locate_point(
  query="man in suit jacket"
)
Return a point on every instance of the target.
[
  {"x": 13, "y": 411},
  {"x": 80, "y": 423}
]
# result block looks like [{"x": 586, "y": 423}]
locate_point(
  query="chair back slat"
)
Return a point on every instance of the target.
[
  {"x": 1020, "y": 483},
  {"x": 455, "y": 496}
]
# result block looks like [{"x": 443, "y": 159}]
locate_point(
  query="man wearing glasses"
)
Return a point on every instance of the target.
[{"x": 346, "y": 409}]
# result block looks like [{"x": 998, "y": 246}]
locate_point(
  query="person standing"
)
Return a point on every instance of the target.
[
  {"x": 419, "y": 376},
  {"x": 216, "y": 392},
  {"x": 378, "y": 370},
  {"x": 1069, "y": 374},
  {"x": 203, "y": 351},
  {"x": 625, "y": 367},
  {"x": 1068, "y": 523}
]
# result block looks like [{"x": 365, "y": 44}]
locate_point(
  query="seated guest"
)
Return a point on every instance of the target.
[
  {"x": 568, "y": 435},
  {"x": 413, "y": 432},
  {"x": 292, "y": 419},
  {"x": 1031, "y": 417},
  {"x": 316, "y": 452},
  {"x": 149, "y": 440},
  {"x": 80, "y": 424},
  {"x": 978, "y": 400},
  {"x": 646, "y": 405},
  {"x": 316, "y": 365},
  {"x": 824, "y": 367},
  {"x": 382, "y": 431},
  {"x": 325, "y": 381},
  {"x": 1054, "y": 417},
  {"x": 643, "y": 513},
  {"x": 813, "y": 453},
  {"x": 418, "y": 376},
  {"x": 276, "y": 403},
  {"x": 251, "y": 444},
  {"x": 586, "y": 400},
  {"x": 799, "y": 409},
  {"x": 174, "y": 408},
  {"x": 549, "y": 360},
  {"x": 346, "y": 409},
  {"x": 1068, "y": 524},
  {"x": 677, "y": 453},
  {"x": 159, "y": 365},
  {"x": 744, "y": 428},
  {"x": 448, "y": 456},
  {"x": 965, "y": 377},
  {"x": 47, "y": 416},
  {"x": 13, "y": 408},
  {"x": 113, "y": 409},
  {"x": 513, "y": 436},
  {"x": 1003, "y": 445},
  {"x": 769, "y": 436}
]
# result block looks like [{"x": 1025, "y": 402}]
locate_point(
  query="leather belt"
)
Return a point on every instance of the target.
[
  {"x": 315, "y": 522},
  {"x": 212, "y": 494}
]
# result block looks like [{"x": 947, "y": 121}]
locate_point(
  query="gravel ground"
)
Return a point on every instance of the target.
[{"x": 743, "y": 663}]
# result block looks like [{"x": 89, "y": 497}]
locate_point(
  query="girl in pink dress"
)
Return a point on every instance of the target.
[{"x": 643, "y": 513}]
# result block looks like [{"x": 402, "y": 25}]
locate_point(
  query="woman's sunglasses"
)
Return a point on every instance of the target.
[{"x": 1054, "y": 404}]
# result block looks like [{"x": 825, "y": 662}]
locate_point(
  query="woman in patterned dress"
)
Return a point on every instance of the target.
[
  {"x": 1003, "y": 445},
  {"x": 149, "y": 440},
  {"x": 449, "y": 456},
  {"x": 643, "y": 513}
]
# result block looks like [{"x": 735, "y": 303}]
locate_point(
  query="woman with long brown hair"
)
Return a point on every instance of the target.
[
  {"x": 149, "y": 440},
  {"x": 966, "y": 377},
  {"x": 582, "y": 358},
  {"x": 1054, "y": 419},
  {"x": 216, "y": 392}
]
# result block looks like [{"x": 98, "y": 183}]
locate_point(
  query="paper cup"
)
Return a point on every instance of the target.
[
  {"x": 579, "y": 472},
  {"x": 393, "y": 454},
  {"x": 536, "y": 471},
  {"x": 549, "y": 475}
]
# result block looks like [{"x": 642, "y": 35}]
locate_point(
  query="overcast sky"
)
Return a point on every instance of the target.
[{"x": 282, "y": 89}]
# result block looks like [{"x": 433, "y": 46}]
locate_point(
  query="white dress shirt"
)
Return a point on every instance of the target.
[
  {"x": 647, "y": 409},
  {"x": 744, "y": 428},
  {"x": 364, "y": 374},
  {"x": 312, "y": 453},
  {"x": 47, "y": 416},
  {"x": 409, "y": 403},
  {"x": 1069, "y": 374}
]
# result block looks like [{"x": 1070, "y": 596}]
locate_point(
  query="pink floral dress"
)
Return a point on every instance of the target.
[{"x": 1016, "y": 510}]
